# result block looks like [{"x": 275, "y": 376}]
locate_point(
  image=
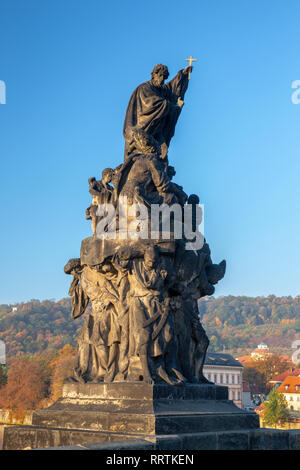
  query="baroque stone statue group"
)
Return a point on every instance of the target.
[
  {"x": 138, "y": 371},
  {"x": 140, "y": 294}
]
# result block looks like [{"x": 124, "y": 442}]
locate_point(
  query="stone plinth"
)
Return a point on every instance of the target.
[{"x": 120, "y": 411}]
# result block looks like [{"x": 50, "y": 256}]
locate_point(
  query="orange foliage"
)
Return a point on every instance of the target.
[
  {"x": 287, "y": 321},
  {"x": 62, "y": 367},
  {"x": 269, "y": 366},
  {"x": 26, "y": 386}
]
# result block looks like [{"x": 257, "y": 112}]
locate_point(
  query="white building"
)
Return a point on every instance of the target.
[
  {"x": 223, "y": 369},
  {"x": 263, "y": 345},
  {"x": 290, "y": 388},
  {"x": 262, "y": 351},
  {"x": 247, "y": 399}
]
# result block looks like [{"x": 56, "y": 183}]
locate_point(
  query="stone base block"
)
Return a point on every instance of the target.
[{"x": 120, "y": 411}]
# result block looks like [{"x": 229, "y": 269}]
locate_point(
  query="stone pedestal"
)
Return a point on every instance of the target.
[{"x": 120, "y": 411}]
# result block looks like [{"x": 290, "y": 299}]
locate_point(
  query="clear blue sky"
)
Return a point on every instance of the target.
[{"x": 70, "y": 67}]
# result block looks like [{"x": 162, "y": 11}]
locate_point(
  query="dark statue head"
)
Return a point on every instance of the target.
[
  {"x": 107, "y": 175},
  {"x": 171, "y": 172},
  {"x": 151, "y": 256},
  {"x": 73, "y": 266},
  {"x": 92, "y": 180},
  {"x": 159, "y": 74},
  {"x": 124, "y": 255},
  {"x": 193, "y": 199}
]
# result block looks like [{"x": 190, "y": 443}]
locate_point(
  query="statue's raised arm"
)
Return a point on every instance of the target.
[{"x": 178, "y": 85}]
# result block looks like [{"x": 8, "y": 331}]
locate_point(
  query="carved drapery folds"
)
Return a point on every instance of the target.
[{"x": 143, "y": 324}]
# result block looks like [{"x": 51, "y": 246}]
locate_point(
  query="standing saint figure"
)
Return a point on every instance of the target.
[
  {"x": 155, "y": 107},
  {"x": 102, "y": 193},
  {"x": 151, "y": 323}
]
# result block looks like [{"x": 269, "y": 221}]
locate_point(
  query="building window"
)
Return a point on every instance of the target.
[
  {"x": 221, "y": 378},
  {"x": 227, "y": 378},
  {"x": 239, "y": 395},
  {"x": 239, "y": 379},
  {"x": 216, "y": 378},
  {"x": 232, "y": 379},
  {"x": 208, "y": 376}
]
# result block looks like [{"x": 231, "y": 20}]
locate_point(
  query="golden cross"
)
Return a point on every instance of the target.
[{"x": 190, "y": 60}]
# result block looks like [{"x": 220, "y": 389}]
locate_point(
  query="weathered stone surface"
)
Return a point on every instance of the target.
[
  {"x": 104, "y": 412},
  {"x": 143, "y": 391},
  {"x": 233, "y": 441},
  {"x": 94, "y": 251},
  {"x": 199, "y": 441},
  {"x": 294, "y": 439},
  {"x": 239, "y": 440},
  {"x": 145, "y": 409},
  {"x": 141, "y": 444},
  {"x": 22, "y": 437},
  {"x": 31, "y": 437},
  {"x": 145, "y": 423},
  {"x": 272, "y": 439}
]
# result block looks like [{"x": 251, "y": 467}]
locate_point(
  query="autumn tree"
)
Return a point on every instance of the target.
[
  {"x": 25, "y": 388},
  {"x": 214, "y": 343},
  {"x": 271, "y": 366},
  {"x": 255, "y": 380},
  {"x": 259, "y": 372},
  {"x": 275, "y": 409},
  {"x": 62, "y": 368},
  {"x": 3, "y": 375}
]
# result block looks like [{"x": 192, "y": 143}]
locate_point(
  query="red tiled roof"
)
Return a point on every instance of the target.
[
  {"x": 245, "y": 359},
  {"x": 259, "y": 409},
  {"x": 280, "y": 378},
  {"x": 285, "y": 358},
  {"x": 291, "y": 384}
]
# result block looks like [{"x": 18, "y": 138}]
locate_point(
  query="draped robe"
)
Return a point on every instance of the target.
[{"x": 154, "y": 109}]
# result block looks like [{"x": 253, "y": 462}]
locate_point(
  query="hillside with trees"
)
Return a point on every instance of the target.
[
  {"x": 239, "y": 324},
  {"x": 40, "y": 339},
  {"x": 234, "y": 324},
  {"x": 35, "y": 326},
  {"x": 34, "y": 381}
]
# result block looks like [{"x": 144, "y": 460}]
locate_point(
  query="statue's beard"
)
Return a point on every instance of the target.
[{"x": 157, "y": 84}]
